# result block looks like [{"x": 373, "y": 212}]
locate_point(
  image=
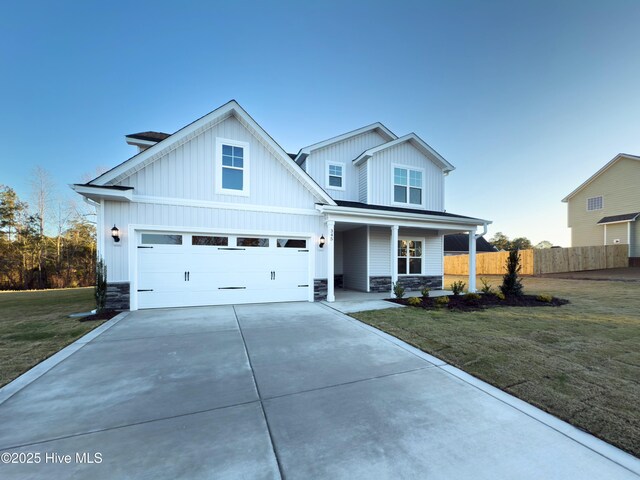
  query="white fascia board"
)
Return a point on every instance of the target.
[
  {"x": 136, "y": 141},
  {"x": 600, "y": 172},
  {"x": 351, "y": 214},
  {"x": 96, "y": 193},
  {"x": 417, "y": 141},
  {"x": 230, "y": 108},
  {"x": 374, "y": 126}
]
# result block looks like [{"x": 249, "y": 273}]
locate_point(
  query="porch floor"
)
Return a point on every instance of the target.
[{"x": 350, "y": 301}]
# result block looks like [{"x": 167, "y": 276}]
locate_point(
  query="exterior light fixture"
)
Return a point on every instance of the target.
[
  {"x": 321, "y": 244},
  {"x": 115, "y": 234}
]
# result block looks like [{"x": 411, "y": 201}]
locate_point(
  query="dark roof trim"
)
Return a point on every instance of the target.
[
  {"x": 366, "y": 206},
  {"x": 108, "y": 187},
  {"x": 627, "y": 217},
  {"x": 149, "y": 136}
]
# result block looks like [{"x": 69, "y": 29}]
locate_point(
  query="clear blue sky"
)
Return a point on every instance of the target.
[{"x": 526, "y": 99}]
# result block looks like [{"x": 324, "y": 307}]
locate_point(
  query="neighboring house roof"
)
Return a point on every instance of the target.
[
  {"x": 600, "y": 172},
  {"x": 149, "y": 136},
  {"x": 459, "y": 242},
  {"x": 345, "y": 203},
  {"x": 416, "y": 141},
  {"x": 627, "y": 217},
  {"x": 374, "y": 127},
  {"x": 230, "y": 108}
]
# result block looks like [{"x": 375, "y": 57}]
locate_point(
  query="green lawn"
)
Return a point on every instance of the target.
[
  {"x": 34, "y": 325},
  {"x": 580, "y": 362}
]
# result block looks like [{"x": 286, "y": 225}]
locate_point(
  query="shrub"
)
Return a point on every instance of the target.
[
  {"x": 487, "y": 288},
  {"x": 414, "y": 302},
  {"x": 442, "y": 301},
  {"x": 457, "y": 287},
  {"x": 544, "y": 298},
  {"x": 500, "y": 295},
  {"x": 398, "y": 290},
  {"x": 511, "y": 283},
  {"x": 100, "y": 292},
  {"x": 425, "y": 292},
  {"x": 471, "y": 297}
]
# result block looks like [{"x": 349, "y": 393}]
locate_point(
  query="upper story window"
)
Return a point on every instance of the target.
[
  {"x": 335, "y": 176},
  {"x": 407, "y": 186},
  {"x": 594, "y": 203},
  {"x": 232, "y": 167}
]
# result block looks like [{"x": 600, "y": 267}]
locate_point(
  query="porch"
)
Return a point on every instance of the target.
[{"x": 367, "y": 254}]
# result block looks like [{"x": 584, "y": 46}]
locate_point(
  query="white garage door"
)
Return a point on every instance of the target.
[{"x": 177, "y": 270}]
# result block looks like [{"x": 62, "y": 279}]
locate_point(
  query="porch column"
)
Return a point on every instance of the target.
[
  {"x": 394, "y": 256},
  {"x": 472, "y": 260},
  {"x": 331, "y": 297}
]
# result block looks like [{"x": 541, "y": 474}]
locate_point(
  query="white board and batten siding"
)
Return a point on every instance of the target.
[
  {"x": 188, "y": 172},
  {"x": 363, "y": 186},
  {"x": 404, "y": 154},
  {"x": 342, "y": 152}
]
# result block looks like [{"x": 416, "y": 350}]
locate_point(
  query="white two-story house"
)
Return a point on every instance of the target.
[{"x": 219, "y": 213}]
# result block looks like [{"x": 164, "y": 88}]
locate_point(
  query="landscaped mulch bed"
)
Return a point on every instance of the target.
[
  {"x": 466, "y": 304},
  {"x": 104, "y": 315}
]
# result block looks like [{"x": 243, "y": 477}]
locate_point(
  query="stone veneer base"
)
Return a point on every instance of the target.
[{"x": 118, "y": 296}]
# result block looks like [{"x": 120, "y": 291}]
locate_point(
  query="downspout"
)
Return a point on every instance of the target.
[{"x": 484, "y": 231}]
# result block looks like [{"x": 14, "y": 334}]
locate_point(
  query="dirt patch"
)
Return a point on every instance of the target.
[
  {"x": 472, "y": 303},
  {"x": 630, "y": 274},
  {"x": 105, "y": 315}
]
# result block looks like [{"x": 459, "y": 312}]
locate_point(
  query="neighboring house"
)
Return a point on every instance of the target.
[
  {"x": 219, "y": 213},
  {"x": 605, "y": 210},
  {"x": 458, "y": 244}
]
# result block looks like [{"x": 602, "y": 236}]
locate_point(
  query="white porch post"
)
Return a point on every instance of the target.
[
  {"x": 472, "y": 260},
  {"x": 394, "y": 256},
  {"x": 331, "y": 297}
]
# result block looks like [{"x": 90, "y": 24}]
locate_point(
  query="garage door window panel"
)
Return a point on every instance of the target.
[
  {"x": 291, "y": 243},
  {"x": 252, "y": 242},
  {"x": 160, "y": 239},
  {"x": 210, "y": 241}
]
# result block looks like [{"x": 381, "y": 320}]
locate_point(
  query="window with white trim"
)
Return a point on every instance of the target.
[
  {"x": 594, "y": 203},
  {"x": 409, "y": 257},
  {"x": 407, "y": 186},
  {"x": 335, "y": 176},
  {"x": 232, "y": 167}
]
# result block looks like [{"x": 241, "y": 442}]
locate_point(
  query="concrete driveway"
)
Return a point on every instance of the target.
[{"x": 296, "y": 391}]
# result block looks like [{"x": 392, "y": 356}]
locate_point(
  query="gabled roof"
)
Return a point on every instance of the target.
[
  {"x": 600, "y": 172},
  {"x": 459, "y": 242},
  {"x": 374, "y": 127},
  {"x": 627, "y": 217},
  {"x": 231, "y": 108},
  {"x": 416, "y": 141}
]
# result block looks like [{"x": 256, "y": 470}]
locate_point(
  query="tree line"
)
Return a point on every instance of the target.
[
  {"x": 503, "y": 243},
  {"x": 48, "y": 243}
]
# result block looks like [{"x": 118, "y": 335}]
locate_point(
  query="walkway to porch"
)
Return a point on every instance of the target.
[{"x": 350, "y": 301}]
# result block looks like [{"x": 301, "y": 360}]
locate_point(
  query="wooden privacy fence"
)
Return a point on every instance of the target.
[{"x": 540, "y": 261}]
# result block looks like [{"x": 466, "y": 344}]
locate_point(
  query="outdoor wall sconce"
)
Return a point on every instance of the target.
[
  {"x": 115, "y": 234},
  {"x": 321, "y": 244}
]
